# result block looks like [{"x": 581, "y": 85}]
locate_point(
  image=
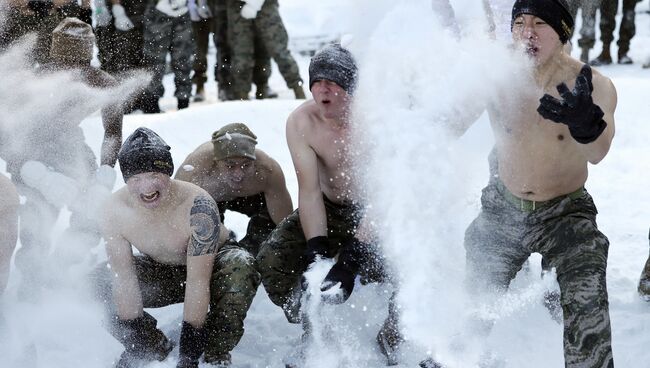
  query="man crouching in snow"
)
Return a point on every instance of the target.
[
  {"x": 325, "y": 225},
  {"x": 176, "y": 228}
]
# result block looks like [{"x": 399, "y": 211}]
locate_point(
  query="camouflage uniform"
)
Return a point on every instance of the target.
[
  {"x": 588, "y": 30},
  {"x": 233, "y": 287},
  {"x": 19, "y": 23},
  {"x": 564, "y": 231},
  {"x": 218, "y": 25},
  {"x": 163, "y": 34},
  {"x": 608, "y": 10},
  {"x": 121, "y": 51},
  {"x": 260, "y": 224},
  {"x": 281, "y": 259},
  {"x": 241, "y": 36}
]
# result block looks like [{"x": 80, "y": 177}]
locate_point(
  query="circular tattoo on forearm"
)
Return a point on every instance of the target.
[{"x": 205, "y": 224}]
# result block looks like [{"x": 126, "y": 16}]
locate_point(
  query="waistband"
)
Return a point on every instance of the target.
[{"x": 528, "y": 205}]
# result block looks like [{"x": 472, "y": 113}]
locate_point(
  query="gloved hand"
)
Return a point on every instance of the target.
[
  {"x": 316, "y": 246},
  {"x": 192, "y": 344},
  {"x": 343, "y": 272},
  {"x": 251, "y": 8},
  {"x": 122, "y": 22},
  {"x": 102, "y": 14},
  {"x": 142, "y": 340},
  {"x": 576, "y": 109}
]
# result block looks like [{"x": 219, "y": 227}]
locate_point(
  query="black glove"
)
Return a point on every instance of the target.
[
  {"x": 86, "y": 15},
  {"x": 41, "y": 8},
  {"x": 192, "y": 344},
  {"x": 576, "y": 109},
  {"x": 344, "y": 271},
  {"x": 316, "y": 246},
  {"x": 141, "y": 339}
]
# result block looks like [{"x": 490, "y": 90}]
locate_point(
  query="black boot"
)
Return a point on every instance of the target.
[
  {"x": 149, "y": 104},
  {"x": 183, "y": 103},
  {"x": 605, "y": 58}
]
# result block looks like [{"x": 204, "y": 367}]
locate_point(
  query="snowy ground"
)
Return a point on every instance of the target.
[{"x": 432, "y": 196}]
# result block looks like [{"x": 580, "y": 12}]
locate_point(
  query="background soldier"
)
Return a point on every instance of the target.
[{"x": 608, "y": 10}]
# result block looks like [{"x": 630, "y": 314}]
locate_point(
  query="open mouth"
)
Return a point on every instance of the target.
[
  {"x": 150, "y": 197},
  {"x": 532, "y": 50},
  {"x": 325, "y": 101}
]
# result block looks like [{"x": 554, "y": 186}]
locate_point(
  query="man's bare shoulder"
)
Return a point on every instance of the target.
[
  {"x": 187, "y": 192},
  {"x": 267, "y": 165},
  {"x": 303, "y": 116},
  {"x": 199, "y": 162}
]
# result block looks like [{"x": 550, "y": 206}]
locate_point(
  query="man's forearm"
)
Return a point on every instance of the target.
[
  {"x": 312, "y": 215},
  {"x": 197, "y": 300}
]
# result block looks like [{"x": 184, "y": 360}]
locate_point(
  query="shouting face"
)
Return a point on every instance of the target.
[
  {"x": 332, "y": 100},
  {"x": 235, "y": 171},
  {"x": 538, "y": 39},
  {"x": 149, "y": 189}
]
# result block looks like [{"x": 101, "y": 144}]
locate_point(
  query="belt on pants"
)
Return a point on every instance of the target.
[{"x": 527, "y": 205}]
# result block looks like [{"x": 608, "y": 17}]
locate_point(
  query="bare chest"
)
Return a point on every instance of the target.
[{"x": 162, "y": 237}]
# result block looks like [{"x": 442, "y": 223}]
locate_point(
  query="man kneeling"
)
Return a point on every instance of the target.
[{"x": 176, "y": 228}]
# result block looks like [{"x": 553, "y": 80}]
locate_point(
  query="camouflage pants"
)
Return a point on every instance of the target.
[
  {"x": 163, "y": 34},
  {"x": 564, "y": 231},
  {"x": 269, "y": 28},
  {"x": 19, "y": 24},
  {"x": 233, "y": 287},
  {"x": 259, "y": 228},
  {"x": 608, "y": 10},
  {"x": 281, "y": 260},
  {"x": 588, "y": 29}
]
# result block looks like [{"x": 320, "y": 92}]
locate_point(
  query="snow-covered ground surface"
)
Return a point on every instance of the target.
[{"x": 426, "y": 186}]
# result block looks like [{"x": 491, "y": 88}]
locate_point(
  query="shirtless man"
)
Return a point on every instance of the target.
[
  {"x": 244, "y": 179},
  {"x": 176, "y": 229},
  {"x": 559, "y": 121},
  {"x": 318, "y": 133}
]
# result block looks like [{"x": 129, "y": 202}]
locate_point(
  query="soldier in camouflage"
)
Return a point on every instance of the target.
[
  {"x": 538, "y": 202},
  {"x": 261, "y": 17},
  {"x": 211, "y": 17},
  {"x": 608, "y": 10},
  {"x": 244, "y": 179},
  {"x": 168, "y": 29}
]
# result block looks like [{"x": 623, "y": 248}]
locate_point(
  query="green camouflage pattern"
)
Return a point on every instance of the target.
[
  {"x": 268, "y": 26},
  {"x": 564, "y": 232},
  {"x": 233, "y": 287},
  {"x": 627, "y": 30},
  {"x": 164, "y": 34}
]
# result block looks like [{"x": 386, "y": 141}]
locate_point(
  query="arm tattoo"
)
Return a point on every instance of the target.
[{"x": 205, "y": 224}]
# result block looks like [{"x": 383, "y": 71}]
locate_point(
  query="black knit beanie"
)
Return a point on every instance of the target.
[
  {"x": 554, "y": 12},
  {"x": 336, "y": 64},
  {"x": 144, "y": 151}
]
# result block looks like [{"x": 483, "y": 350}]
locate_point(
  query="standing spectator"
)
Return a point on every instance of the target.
[
  {"x": 608, "y": 9},
  {"x": 167, "y": 28},
  {"x": 588, "y": 30},
  {"x": 119, "y": 30},
  {"x": 261, "y": 17}
]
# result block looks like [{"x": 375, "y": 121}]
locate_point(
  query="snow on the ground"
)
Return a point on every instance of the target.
[{"x": 435, "y": 189}]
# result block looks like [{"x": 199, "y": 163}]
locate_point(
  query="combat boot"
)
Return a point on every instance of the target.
[
  {"x": 217, "y": 360},
  {"x": 605, "y": 58},
  {"x": 264, "y": 91},
  {"x": 623, "y": 58},
  {"x": 150, "y": 105},
  {"x": 199, "y": 96},
  {"x": 299, "y": 92},
  {"x": 240, "y": 96}
]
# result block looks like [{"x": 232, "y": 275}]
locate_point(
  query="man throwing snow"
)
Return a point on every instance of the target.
[
  {"x": 244, "y": 179},
  {"x": 560, "y": 120},
  {"x": 319, "y": 133},
  {"x": 176, "y": 229}
]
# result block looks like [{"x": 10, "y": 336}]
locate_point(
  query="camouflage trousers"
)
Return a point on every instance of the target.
[
  {"x": 163, "y": 34},
  {"x": 273, "y": 36},
  {"x": 233, "y": 287},
  {"x": 608, "y": 10},
  {"x": 258, "y": 230},
  {"x": 588, "y": 29},
  {"x": 564, "y": 231},
  {"x": 281, "y": 260}
]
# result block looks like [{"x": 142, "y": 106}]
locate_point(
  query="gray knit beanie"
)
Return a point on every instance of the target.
[{"x": 336, "y": 64}]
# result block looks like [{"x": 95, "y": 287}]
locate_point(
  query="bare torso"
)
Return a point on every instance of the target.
[
  {"x": 162, "y": 234},
  {"x": 538, "y": 158},
  {"x": 331, "y": 143},
  {"x": 200, "y": 168}
]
